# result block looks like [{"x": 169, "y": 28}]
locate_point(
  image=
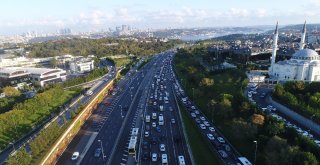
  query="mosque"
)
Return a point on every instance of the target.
[{"x": 304, "y": 65}]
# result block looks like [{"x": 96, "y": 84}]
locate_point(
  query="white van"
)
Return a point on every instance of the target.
[
  {"x": 147, "y": 118},
  {"x": 181, "y": 160}
]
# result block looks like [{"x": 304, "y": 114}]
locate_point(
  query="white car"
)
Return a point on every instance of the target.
[
  {"x": 146, "y": 134},
  {"x": 75, "y": 156},
  {"x": 154, "y": 157},
  {"x": 210, "y": 136},
  {"x": 202, "y": 118},
  {"x": 221, "y": 140},
  {"x": 193, "y": 115},
  {"x": 162, "y": 147},
  {"x": 202, "y": 126},
  {"x": 212, "y": 129},
  {"x": 206, "y": 123},
  {"x": 154, "y": 124},
  {"x": 164, "y": 159},
  {"x": 197, "y": 112}
]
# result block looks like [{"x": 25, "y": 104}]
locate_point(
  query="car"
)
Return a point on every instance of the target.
[
  {"x": 146, "y": 145},
  {"x": 146, "y": 156},
  {"x": 202, "y": 118},
  {"x": 162, "y": 147},
  {"x": 193, "y": 107},
  {"x": 206, "y": 123},
  {"x": 212, "y": 129},
  {"x": 154, "y": 124},
  {"x": 146, "y": 134},
  {"x": 158, "y": 129},
  {"x": 210, "y": 136},
  {"x": 193, "y": 115},
  {"x": 147, "y": 127},
  {"x": 97, "y": 152},
  {"x": 75, "y": 156},
  {"x": 202, "y": 126},
  {"x": 173, "y": 121},
  {"x": 221, "y": 140},
  {"x": 198, "y": 120},
  {"x": 197, "y": 112},
  {"x": 154, "y": 140},
  {"x": 164, "y": 159},
  {"x": 170, "y": 108},
  {"x": 154, "y": 157},
  {"x": 223, "y": 153},
  {"x": 227, "y": 147}
]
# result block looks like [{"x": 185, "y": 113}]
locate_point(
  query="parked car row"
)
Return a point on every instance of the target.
[
  {"x": 207, "y": 129},
  {"x": 272, "y": 111}
]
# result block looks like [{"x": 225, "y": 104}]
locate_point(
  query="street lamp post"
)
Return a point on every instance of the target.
[
  {"x": 103, "y": 156},
  {"x": 255, "y": 152},
  {"x": 193, "y": 94}
]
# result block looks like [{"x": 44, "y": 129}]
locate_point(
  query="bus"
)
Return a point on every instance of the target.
[
  {"x": 133, "y": 141},
  {"x": 134, "y": 132},
  {"x": 161, "y": 121},
  {"x": 132, "y": 145}
]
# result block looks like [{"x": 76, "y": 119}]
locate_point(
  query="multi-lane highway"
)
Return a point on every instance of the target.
[{"x": 104, "y": 138}]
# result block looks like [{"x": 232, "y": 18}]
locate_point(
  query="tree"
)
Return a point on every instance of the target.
[
  {"x": 257, "y": 119},
  {"x": 305, "y": 158},
  {"x": 11, "y": 91},
  {"x": 277, "y": 151},
  {"x": 21, "y": 158},
  {"x": 54, "y": 62},
  {"x": 207, "y": 82},
  {"x": 243, "y": 130}
]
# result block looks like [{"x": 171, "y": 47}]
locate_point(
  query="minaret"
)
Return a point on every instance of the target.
[
  {"x": 274, "y": 49},
  {"x": 303, "y": 36}
]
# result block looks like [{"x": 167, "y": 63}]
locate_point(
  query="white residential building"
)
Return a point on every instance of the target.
[{"x": 82, "y": 65}]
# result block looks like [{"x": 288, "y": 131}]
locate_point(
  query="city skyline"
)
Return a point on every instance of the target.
[{"x": 84, "y": 15}]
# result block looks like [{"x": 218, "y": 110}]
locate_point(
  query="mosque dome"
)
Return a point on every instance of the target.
[{"x": 306, "y": 54}]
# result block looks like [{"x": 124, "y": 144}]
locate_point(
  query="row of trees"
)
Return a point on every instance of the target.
[
  {"x": 12, "y": 96},
  {"x": 38, "y": 146},
  {"x": 100, "y": 47},
  {"x": 27, "y": 115},
  {"x": 219, "y": 95},
  {"x": 96, "y": 73},
  {"x": 302, "y": 97}
]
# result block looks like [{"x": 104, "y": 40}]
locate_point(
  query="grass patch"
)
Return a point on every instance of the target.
[
  {"x": 122, "y": 61},
  {"x": 200, "y": 149}
]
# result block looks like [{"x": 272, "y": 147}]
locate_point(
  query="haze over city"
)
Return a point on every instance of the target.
[{"x": 82, "y": 15}]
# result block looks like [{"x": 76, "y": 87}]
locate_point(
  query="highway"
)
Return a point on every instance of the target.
[
  {"x": 64, "y": 115},
  {"x": 102, "y": 125},
  {"x": 110, "y": 125}
]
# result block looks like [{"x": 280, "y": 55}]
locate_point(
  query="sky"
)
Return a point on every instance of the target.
[{"x": 18, "y": 16}]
